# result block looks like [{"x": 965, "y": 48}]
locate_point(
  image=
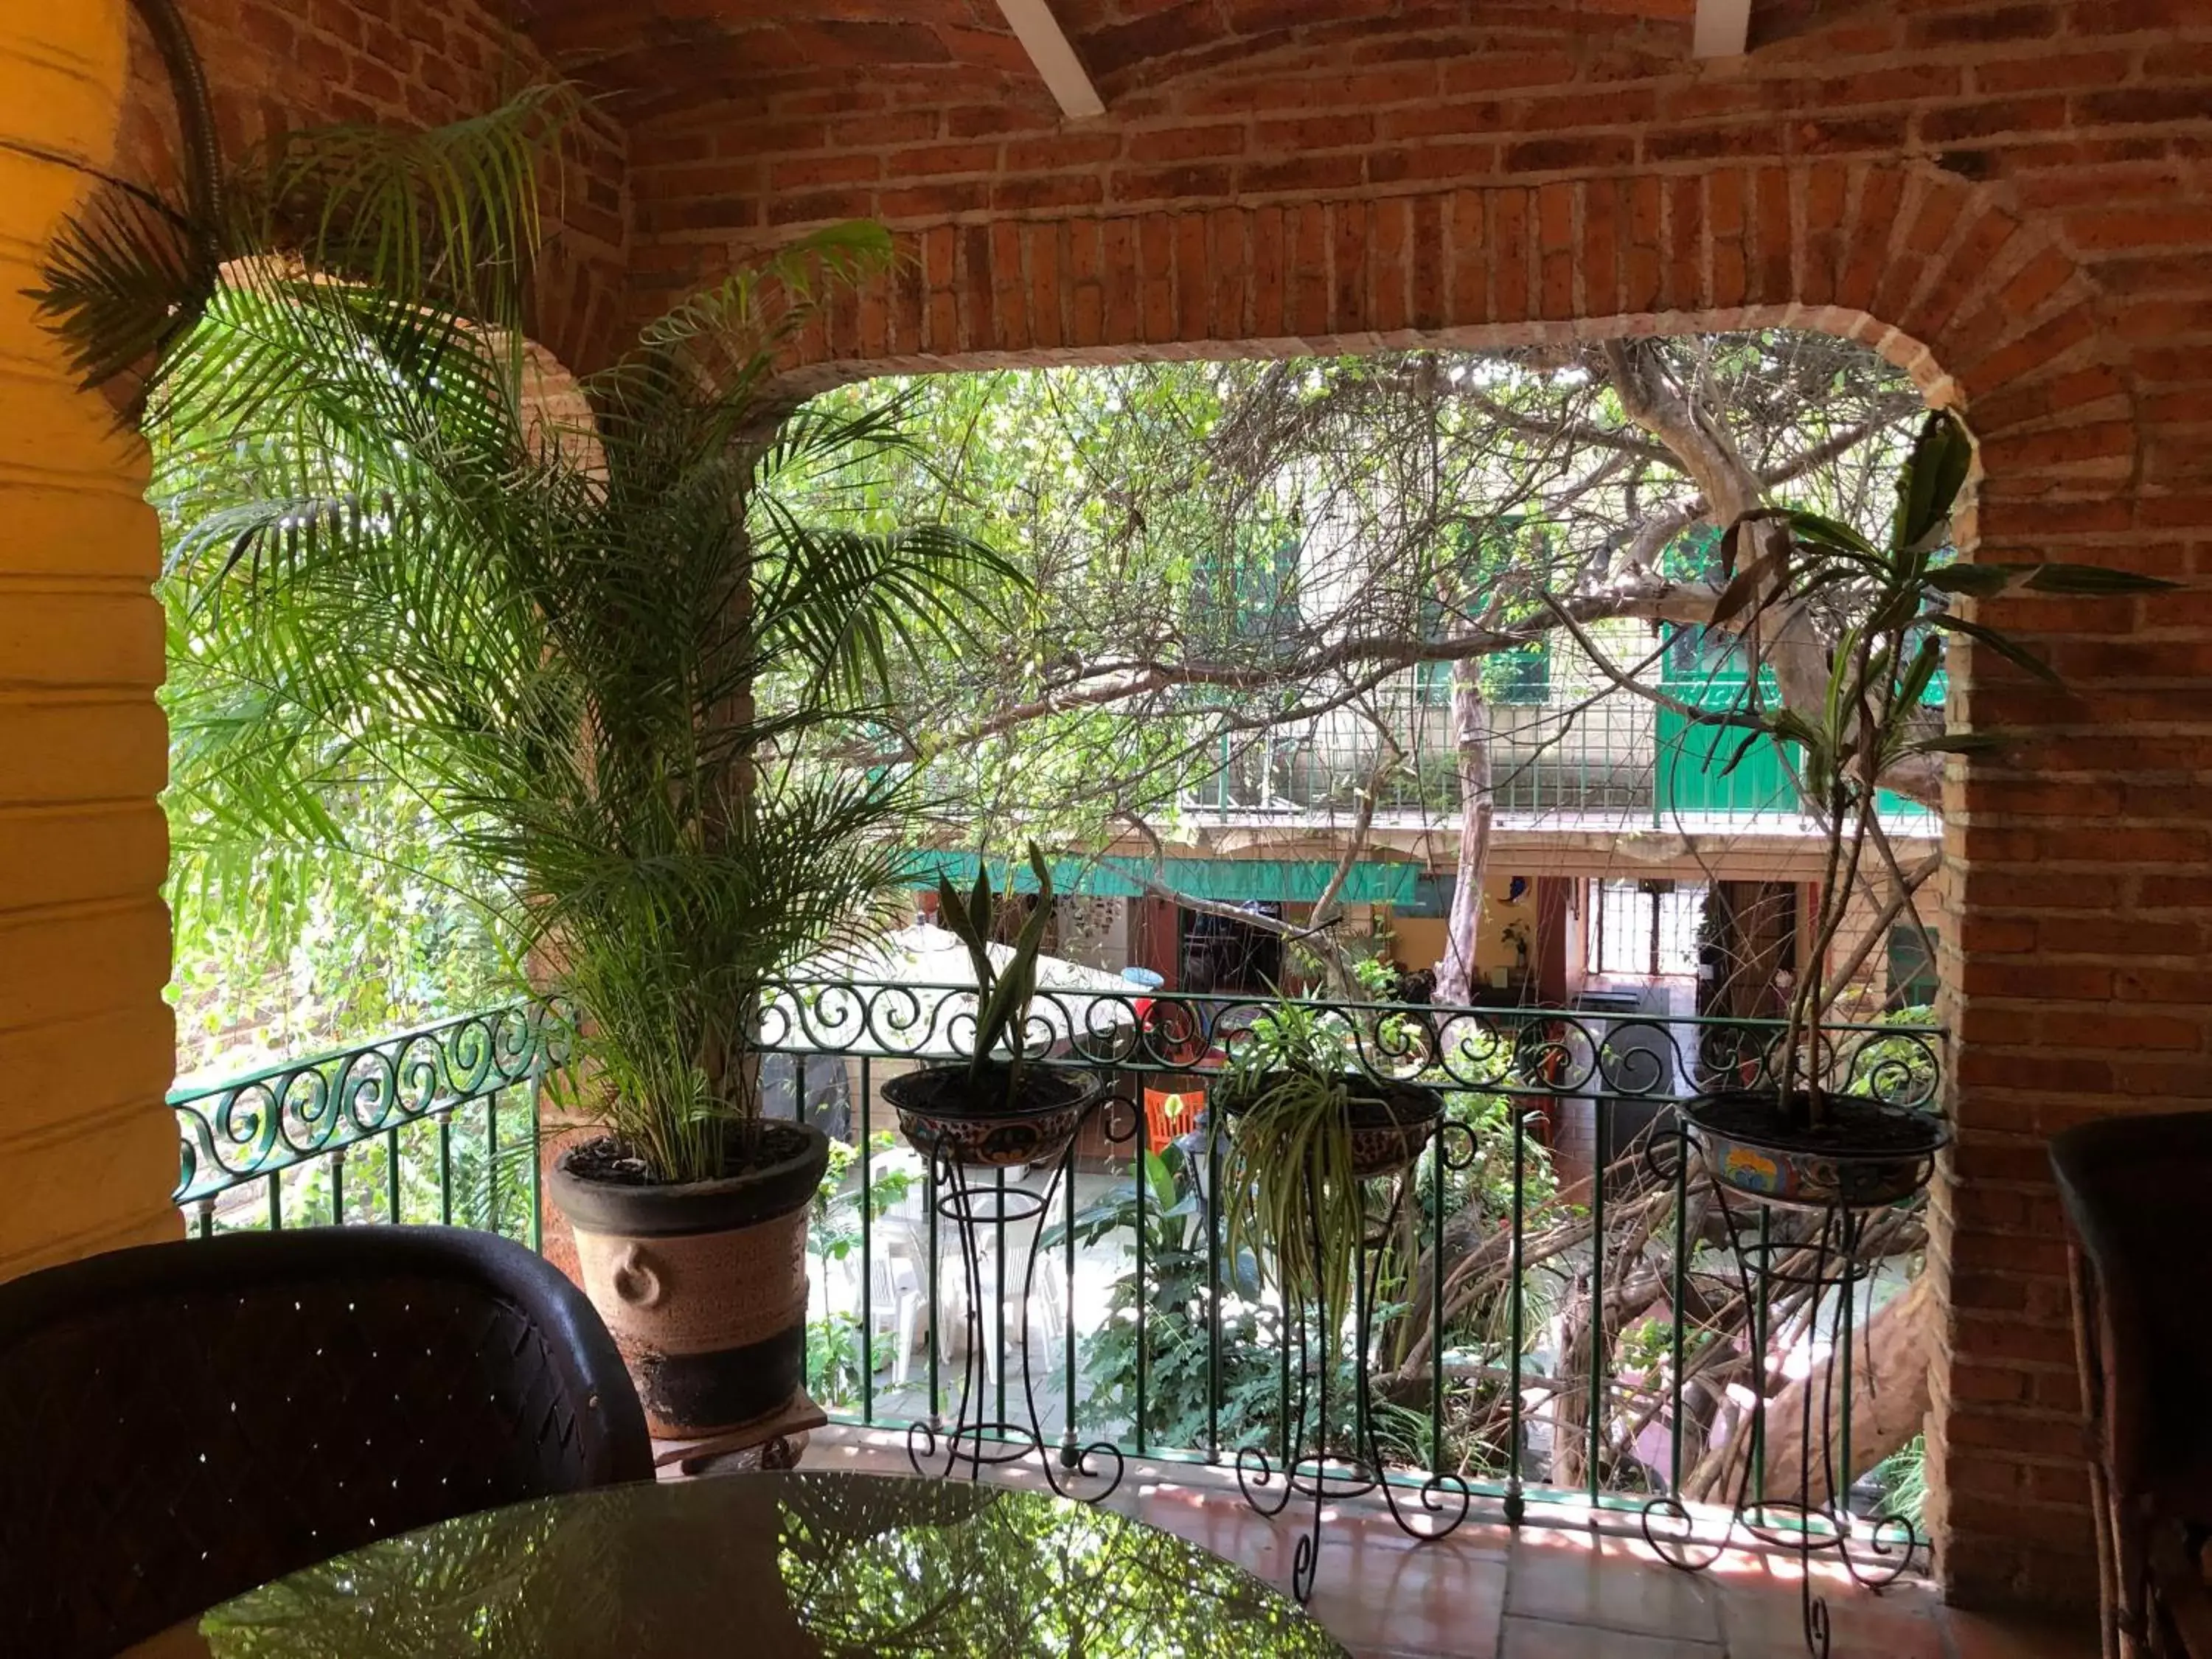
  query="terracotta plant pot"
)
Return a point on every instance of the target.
[
  {"x": 1390, "y": 1121},
  {"x": 1867, "y": 1154},
  {"x": 703, "y": 1285},
  {"x": 945, "y": 1115}
]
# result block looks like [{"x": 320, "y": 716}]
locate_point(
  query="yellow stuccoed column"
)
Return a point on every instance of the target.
[{"x": 88, "y": 1152}]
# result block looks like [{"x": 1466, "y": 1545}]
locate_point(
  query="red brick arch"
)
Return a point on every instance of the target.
[
  {"x": 1921, "y": 265},
  {"x": 1988, "y": 315}
]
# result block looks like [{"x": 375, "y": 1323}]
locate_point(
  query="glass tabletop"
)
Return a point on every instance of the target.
[{"x": 763, "y": 1565}]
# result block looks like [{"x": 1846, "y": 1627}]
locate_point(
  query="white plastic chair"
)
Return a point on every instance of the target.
[
  {"x": 1048, "y": 1308},
  {"x": 896, "y": 1293},
  {"x": 895, "y": 1303}
]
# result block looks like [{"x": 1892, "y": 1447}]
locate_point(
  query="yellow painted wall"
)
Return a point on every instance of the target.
[
  {"x": 88, "y": 1151},
  {"x": 1421, "y": 939}
]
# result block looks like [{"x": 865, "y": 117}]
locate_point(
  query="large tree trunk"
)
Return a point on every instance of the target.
[
  {"x": 1477, "y": 807},
  {"x": 1889, "y": 1402},
  {"x": 1694, "y": 428}
]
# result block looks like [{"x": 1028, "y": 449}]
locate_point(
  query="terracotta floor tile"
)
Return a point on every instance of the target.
[
  {"x": 1623, "y": 1595},
  {"x": 1974, "y": 1636},
  {"x": 1755, "y": 1623},
  {"x": 1540, "y": 1639},
  {"x": 1430, "y": 1600}
]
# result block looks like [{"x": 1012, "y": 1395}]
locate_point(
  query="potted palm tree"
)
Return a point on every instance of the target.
[
  {"x": 1803, "y": 1140},
  {"x": 996, "y": 1110},
  {"x": 613, "y": 655}
]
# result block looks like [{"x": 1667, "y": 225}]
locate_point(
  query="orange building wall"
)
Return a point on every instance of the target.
[{"x": 86, "y": 1041}]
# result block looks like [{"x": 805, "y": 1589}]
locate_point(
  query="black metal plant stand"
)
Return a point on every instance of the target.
[
  {"x": 975, "y": 1438},
  {"x": 1445, "y": 1499},
  {"x": 1874, "y": 1551}
]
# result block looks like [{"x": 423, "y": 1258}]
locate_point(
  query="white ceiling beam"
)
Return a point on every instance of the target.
[
  {"x": 1722, "y": 28},
  {"x": 1046, "y": 42}
]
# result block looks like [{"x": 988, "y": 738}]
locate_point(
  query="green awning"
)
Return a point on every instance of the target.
[{"x": 1234, "y": 881}]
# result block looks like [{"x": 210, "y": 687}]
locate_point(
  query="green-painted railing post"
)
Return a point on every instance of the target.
[
  {"x": 536, "y": 1156},
  {"x": 867, "y": 1249},
  {"x": 443, "y": 1114}
]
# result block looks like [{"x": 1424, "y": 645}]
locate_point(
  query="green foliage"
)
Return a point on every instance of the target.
[
  {"x": 491, "y": 1148},
  {"x": 1887, "y": 604},
  {"x": 611, "y": 664},
  {"x": 1903, "y": 1478},
  {"x": 1485, "y": 1187},
  {"x": 448, "y": 219},
  {"x": 283, "y": 947},
  {"x": 1377, "y": 978},
  {"x": 1176, "y": 1297},
  {"x": 1003, "y": 996},
  {"x": 1225, "y": 558},
  {"x": 1168, "y": 1369},
  {"x": 835, "y": 1342},
  {"x": 1288, "y": 1189}
]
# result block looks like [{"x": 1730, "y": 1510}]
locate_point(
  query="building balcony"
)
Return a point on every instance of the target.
[{"x": 1571, "y": 1398}]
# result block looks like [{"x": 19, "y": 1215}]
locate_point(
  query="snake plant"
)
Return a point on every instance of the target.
[{"x": 1003, "y": 994}]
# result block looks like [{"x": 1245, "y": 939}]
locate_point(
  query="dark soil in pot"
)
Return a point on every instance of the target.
[
  {"x": 1390, "y": 1121},
  {"x": 771, "y": 1166},
  {"x": 946, "y": 1114},
  {"x": 1861, "y": 1154},
  {"x": 703, "y": 1285}
]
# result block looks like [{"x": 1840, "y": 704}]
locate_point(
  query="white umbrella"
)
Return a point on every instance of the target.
[{"x": 907, "y": 994}]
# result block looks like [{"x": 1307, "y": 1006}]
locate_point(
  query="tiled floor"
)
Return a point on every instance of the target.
[{"x": 1542, "y": 1593}]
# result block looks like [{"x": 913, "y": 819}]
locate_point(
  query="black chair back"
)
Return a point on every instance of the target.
[
  {"x": 2138, "y": 1197},
  {"x": 182, "y": 1422}
]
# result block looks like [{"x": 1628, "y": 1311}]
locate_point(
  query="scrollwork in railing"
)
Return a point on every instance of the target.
[
  {"x": 1531, "y": 1051},
  {"x": 245, "y": 1128}
]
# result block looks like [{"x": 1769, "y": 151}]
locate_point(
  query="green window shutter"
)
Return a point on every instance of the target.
[{"x": 1523, "y": 677}]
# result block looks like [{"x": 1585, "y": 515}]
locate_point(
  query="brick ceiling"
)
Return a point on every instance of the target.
[{"x": 659, "y": 57}]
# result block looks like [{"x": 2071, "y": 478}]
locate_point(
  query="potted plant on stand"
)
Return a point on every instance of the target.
[
  {"x": 1301, "y": 1129},
  {"x": 996, "y": 1110},
  {"x": 1802, "y": 1139},
  {"x": 613, "y": 652}
]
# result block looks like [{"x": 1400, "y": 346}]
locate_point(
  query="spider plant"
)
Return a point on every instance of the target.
[
  {"x": 1288, "y": 1184},
  {"x": 1886, "y": 608},
  {"x": 610, "y": 657}
]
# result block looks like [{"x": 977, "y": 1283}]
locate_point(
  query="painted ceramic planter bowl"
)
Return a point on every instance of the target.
[
  {"x": 1865, "y": 1155},
  {"x": 946, "y": 1119}
]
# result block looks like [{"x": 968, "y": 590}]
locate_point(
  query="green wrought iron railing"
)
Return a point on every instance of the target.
[
  {"x": 1555, "y": 1317},
  {"x": 433, "y": 1125}
]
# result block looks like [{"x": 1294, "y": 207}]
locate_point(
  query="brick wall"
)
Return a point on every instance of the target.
[
  {"x": 2012, "y": 199},
  {"x": 274, "y": 65}
]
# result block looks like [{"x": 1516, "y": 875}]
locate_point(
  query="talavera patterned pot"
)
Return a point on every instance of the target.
[
  {"x": 1867, "y": 1154},
  {"x": 946, "y": 1118}
]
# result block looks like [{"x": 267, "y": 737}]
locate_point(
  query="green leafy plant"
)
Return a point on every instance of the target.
[
  {"x": 1159, "y": 1373},
  {"x": 1903, "y": 1478},
  {"x": 1891, "y": 608},
  {"x": 837, "y": 1350},
  {"x": 607, "y": 653},
  {"x": 1288, "y": 1186},
  {"x": 1003, "y": 994}
]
